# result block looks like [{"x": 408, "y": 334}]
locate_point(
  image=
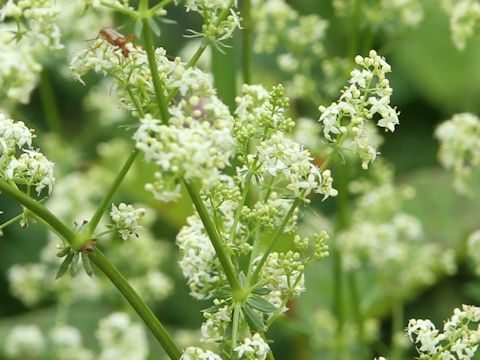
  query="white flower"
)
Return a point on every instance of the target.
[
  {"x": 345, "y": 122},
  {"x": 459, "y": 148},
  {"x": 121, "y": 339},
  {"x": 25, "y": 341},
  {"x": 29, "y": 282},
  {"x": 253, "y": 348},
  {"x": 195, "y": 353},
  {"x": 126, "y": 220}
]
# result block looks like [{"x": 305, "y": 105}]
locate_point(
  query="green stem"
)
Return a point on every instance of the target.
[
  {"x": 236, "y": 317},
  {"x": 152, "y": 62},
  {"x": 236, "y": 219},
  {"x": 357, "y": 312},
  {"x": 159, "y": 6},
  {"x": 103, "y": 264},
  {"x": 217, "y": 242},
  {"x": 246, "y": 11},
  {"x": 40, "y": 211},
  {"x": 142, "y": 309},
  {"x": 49, "y": 103},
  {"x": 121, "y": 9},
  {"x": 11, "y": 221},
  {"x": 272, "y": 244},
  {"x": 107, "y": 200},
  {"x": 343, "y": 220},
  {"x": 397, "y": 328}
]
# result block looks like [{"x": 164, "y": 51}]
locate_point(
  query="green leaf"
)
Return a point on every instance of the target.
[
  {"x": 64, "y": 265},
  {"x": 138, "y": 28},
  {"x": 74, "y": 265},
  {"x": 87, "y": 265},
  {"x": 242, "y": 278},
  {"x": 253, "y": 320},
  {"x": 259, "y": 303},
  {"x": 261, "y": 291},
  {"x": 154, "y": 26}
]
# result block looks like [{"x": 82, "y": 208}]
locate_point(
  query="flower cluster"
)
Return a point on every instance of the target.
[
  {"x": 367, "y": 97},
  {"x": 296, "y": 39},
  {"x": 121, "y": 339},
  {"x": 390, "y": 15},
  {"x": 31, "y": 168},
  {"x": 118, "y": 337},
  {"x": 126, "y": 220},
  {"x": 379, "y": 226},
  {"x": 215, "y": 26},
  {"x": 459, "y": 340},
  {"x": 459, "y": 148},
  {"x": 254, "y": 348},
  {"x": 464, "y": 20},
  {"x": 19, "y": 71},
  {"x": 473, "y": 249},
  {"x": 40, "y": 15},
  {"x": 195, "y": 353}
]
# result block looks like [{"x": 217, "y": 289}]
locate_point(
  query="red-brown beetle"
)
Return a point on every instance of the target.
[{"x": 115, "y": 38}]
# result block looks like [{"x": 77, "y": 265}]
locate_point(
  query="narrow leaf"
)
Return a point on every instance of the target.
[
  {"x": 74, "y": 265},
  {"x": 261, "y": 291},
  {"x": 87, "y": 265},
  {"x": 154, "y": 26},
  {"x": 64, "y": 265},
  {"x": 259, "y": 303},
  {"x": 253, "y": 320}
]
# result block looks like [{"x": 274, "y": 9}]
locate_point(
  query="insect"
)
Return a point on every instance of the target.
[{"x": 115, "y": 38}]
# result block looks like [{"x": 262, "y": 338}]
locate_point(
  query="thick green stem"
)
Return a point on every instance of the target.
[
  {"x": 152, "y": 62},
  {"x": 50, "y": 106},
  {"x": 107, "y": 200},
  {"x": 246, "y": 11},
  {"x": 142, "y": 309},
  {"x": 39, "y": 210},
  {"x": 235, "y": 323},
  {"x": 343, "y": 222},
  {"x": 272, "y": 244},
  {"x": 217, "y": 242}
]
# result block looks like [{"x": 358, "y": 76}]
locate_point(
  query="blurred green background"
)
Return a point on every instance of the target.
[{"x": 431, "y": 80}]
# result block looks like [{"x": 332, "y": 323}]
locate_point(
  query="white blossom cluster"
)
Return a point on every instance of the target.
[
  {"x": 459, "y": 340},
  {"x": 296, "y": 39},
  {"x": 29, "y": 342},
  {"x": 30, "y": 168},
  {"x": 282, "y": 171},
  {"x": 29, "y": 282},
  {"x": 390, "y": 15},
  {"x": 213, "y": 27},
  {"x": 126, "y": 220},
  {"x": 382, "y": 236},
  {"x": 121, "y": 339},
  {"x": 118, "y": 338},
  {"x": 473, "y": 249},
  {"x": 19, "y": 71},
  {"x": 366, "y": 98},
  {"x": 464, "y": 20},
  {"x": 196, "y": 353},
  {"x": 40, "y": 15},
  {"x": 254, "y": 348},
  {"x": 459, "y": 148}
]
